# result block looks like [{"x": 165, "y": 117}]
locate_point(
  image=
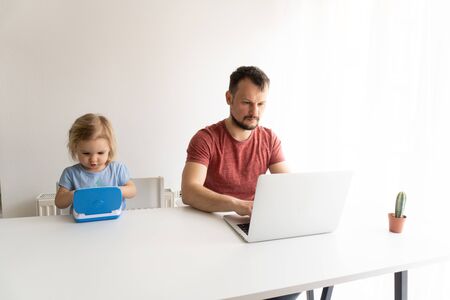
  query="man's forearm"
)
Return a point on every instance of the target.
[{"x": 204, "y": 199}]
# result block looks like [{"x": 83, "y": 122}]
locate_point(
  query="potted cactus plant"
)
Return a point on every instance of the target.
[{"x": 397, "y": 219}]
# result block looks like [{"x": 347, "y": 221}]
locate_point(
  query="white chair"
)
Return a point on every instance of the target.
[
  {"x": 150, "y": 194},
  {"x": 45, "y": 206}
]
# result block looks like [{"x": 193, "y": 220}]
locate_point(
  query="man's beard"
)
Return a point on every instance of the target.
[{"x": 242, "y": 125}]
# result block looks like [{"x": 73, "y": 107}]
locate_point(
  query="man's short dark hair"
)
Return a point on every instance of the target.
[{"x": 255, "y": 74}]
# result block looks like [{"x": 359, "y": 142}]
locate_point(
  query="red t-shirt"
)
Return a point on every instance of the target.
[{"x": 233, "y": 166}]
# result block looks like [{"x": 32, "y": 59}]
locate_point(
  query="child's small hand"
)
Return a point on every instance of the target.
[
  {"x": 128, "y": 190},
  {"x": 64, "y": 197}
]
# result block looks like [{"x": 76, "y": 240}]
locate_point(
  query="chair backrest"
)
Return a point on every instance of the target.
[{"x": 150, "y": 193}]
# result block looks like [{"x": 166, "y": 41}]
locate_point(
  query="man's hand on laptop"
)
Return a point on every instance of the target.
[{"x": 243, "y": 207}]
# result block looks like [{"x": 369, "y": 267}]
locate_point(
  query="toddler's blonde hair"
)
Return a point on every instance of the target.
[{"x": 91, "y": 127}]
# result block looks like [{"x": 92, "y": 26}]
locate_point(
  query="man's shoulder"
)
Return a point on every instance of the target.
[
  {"x": 261, "y": 130},
  {"x": 214, "y": 128},
  {"x": 202, "y": 144},
  {"x": 211, "y": 131},
  {"x": 264, "y": 129},
  {"x": 267, "y": 136}
]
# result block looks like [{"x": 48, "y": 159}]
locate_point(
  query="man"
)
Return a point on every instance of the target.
[{"x": 224, "y": 160}]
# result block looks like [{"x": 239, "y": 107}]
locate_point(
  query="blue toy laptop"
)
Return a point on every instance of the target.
[{"x": 98, "y": 203}]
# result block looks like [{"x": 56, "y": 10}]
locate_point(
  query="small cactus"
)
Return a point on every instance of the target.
[{"x": 400, "y": 204}]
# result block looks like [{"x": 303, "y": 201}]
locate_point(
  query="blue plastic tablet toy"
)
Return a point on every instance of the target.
[{"x": 98, "y": 203}]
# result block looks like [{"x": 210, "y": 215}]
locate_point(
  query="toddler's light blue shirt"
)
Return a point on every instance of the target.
[{"x": 75, "y": 177}]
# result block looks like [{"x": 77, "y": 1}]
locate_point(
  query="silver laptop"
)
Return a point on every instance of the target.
[{"x": 294, "y": 204}]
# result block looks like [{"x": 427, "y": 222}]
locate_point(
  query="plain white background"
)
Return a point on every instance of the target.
[{"x": 359, "y": 85}]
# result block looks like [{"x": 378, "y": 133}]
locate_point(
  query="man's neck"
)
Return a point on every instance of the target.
[{"x": 235, "y": 131}]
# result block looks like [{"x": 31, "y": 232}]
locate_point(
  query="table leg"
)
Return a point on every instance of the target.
[
  {"x": 326, "y": 293},
  {"x": 401, "y": 285},
  {"x": 310, "y": 295}
]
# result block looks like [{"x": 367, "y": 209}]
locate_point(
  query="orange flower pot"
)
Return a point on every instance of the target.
[{"x": 396, "y": 224}]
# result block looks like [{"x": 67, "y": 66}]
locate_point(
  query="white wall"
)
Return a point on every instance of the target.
[
  {"x": 158, "y": 69},
  {"x": 355, "y": 84},
  {"x": 359, "y": 84}
]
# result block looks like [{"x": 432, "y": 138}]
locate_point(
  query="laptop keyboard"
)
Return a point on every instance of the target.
[{"x": 244, "y": 227}]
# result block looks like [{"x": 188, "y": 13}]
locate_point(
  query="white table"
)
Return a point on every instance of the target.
[{"x": 181, "y": 253}]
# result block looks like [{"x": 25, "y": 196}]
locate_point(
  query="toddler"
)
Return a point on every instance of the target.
[{"x": 92, "y": 143}]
